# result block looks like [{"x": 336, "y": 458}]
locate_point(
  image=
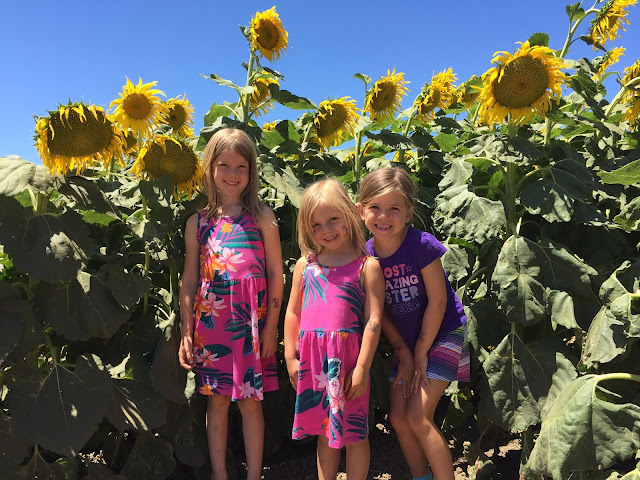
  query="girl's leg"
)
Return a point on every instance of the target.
[
  {"x": 253, "y": 432},
  {"x": 415, "y": 457},
  {"x": 328, "y": 459},
  {"x": 217, "y": 426},
  {"x": 422, "y": 407},
  {"x": 358, "y": 458}
]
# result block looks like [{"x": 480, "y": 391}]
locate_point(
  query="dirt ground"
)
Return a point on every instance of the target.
[{"x": 296, "y": 460}]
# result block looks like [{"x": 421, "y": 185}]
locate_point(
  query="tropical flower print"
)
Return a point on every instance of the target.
[
  {"x": 229, "y": 260},
  {"x": 214, "y": 245},
  {"x": 206, "y": 358},
  {"x": 336, "y": 395},
  {"x": 226, "y": 227}
]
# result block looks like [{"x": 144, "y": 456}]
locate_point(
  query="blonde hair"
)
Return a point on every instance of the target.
[
  {"x": 235, "y": 140},
  {"x": 386, "y": 180},
  {"x": 328, "y": 192}
]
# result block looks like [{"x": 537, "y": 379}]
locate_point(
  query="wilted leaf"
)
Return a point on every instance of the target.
[
  {"x": 82, "y": 309},
  {"x": 521, "y": 380},
  {"x": 135, "y": 404},
  {"x": 583, "y": 431},
  {"x": 16, "y": 174},
  {"x": 150, "y": 459},
  {"x": 462, "y": 214},
  {"x": 63, "y": 410},
  {"x": 43, "y": 246}
]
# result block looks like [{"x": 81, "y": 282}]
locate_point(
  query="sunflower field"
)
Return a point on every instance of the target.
[{"x": 530, "y": 174}]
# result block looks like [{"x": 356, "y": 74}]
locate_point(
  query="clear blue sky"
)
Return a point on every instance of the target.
[{"x": 51, "y": 52}]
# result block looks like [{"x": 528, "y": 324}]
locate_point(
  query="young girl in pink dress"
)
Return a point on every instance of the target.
[
  {"x": 230, "y": 297},
  {"x": 332, "y": 327}
]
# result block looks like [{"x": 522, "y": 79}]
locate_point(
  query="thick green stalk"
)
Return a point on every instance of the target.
[
  {"x": 405, "y": 132},
  {"x": 301, "y": 156},
  {"x": 357, "y": 163},
  {"x": 245, "y": 97},
  {"x": 147, "y": 256}
]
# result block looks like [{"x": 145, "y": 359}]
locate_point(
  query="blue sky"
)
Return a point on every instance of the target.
[{"x": 51, "y": 52}]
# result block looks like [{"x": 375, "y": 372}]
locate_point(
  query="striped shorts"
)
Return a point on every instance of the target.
[{"x": 448, "y": 358}]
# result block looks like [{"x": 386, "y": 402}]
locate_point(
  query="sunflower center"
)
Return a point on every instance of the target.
[
  {"x": 330, "y": 120},
  {"x": 175, "y": 160},
  {"x": 268, "y": 35},
  {"x": 522, "y": 81},
  {"x": 75, "y": 137},
  {"x": 384, "y": 97},
  {"x": 176, "y": 117},
  {"x": 137, "y": 105}
]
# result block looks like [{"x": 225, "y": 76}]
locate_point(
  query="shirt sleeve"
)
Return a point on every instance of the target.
[{"x": 429, "y": 249}]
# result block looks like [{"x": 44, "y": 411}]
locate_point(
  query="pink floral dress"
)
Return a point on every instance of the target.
[
  {"x": 230, "y": 308},
  {"x": 331, "y": 328}
]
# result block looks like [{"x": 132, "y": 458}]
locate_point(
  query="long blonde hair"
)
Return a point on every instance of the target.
[
  {"x": 328, "y": 192},
  {"x": 386, "y": 180},
  {"x": 235, "y": 140}
]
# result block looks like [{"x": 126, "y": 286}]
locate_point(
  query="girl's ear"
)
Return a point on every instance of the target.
[{"x": 361, "y": 210}]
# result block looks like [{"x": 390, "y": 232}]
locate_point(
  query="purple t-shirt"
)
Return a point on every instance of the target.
[{"x": 405, "y": 295}]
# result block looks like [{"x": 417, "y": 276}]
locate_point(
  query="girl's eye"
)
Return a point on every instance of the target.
[
  {"x": 395, "y": 208},
  {"x": 373, "y": 207}
]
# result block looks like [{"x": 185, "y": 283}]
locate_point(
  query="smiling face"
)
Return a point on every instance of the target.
[
  {"x": 230, "y": 174},
  {"x": 329, "y": 228},
  {"x": 386, "y": 216}
]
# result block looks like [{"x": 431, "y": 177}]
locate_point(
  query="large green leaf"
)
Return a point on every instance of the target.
[
  {"x": 524, "y": 269},
  {"x": 583, "y": 430},
  {"x": 61, "y": 411},
  {"x": 88, "y": 196},
  {"x": 182, "y": 430},
  {"x": 461, "y": 213},
  {"x": 127, "y": 287},
  {"x": 167, "y": 376},
  {"x": 43, "y": 246},
  {"x": 150, "y": 459},
  {"x": 391, "y": 139},
  {"x": 13, "y": 446},
  {"x": 289, "y": 100},
  {"x": 605, "y": 338},
  {"x": 456, "y": 262},
  {"x": 283, "y": 180},
  {"x": 16, "y": 174},
  {"x": 12, "y": 312},
  {"x": 561, "y": 309},
  {"x": 135, "y": 404},
  {"x": 629, "y": 216},
  {"x": 459, "y": 173},
  {"x": 521, "y": 380},
  {"x": 555, "y": 194},
  {"x": 38, "y": 468},
  {"x": 81, "y": 309},
  {"x": 627, "y": 175}
]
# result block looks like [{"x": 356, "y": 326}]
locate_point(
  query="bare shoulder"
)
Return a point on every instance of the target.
[
  {"x": 267, "y": 217},
  {"x": 372, "y": 266}
]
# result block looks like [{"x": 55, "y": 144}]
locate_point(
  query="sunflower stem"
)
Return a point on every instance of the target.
[
  {"x": 405, "y": 132},
  {"x": 357, "y": 161},
  {"x": 245, "y": 97},
  {"x": 301, "y": 156}
]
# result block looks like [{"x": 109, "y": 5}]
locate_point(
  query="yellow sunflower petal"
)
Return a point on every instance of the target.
[
  {"x": 439, "y": 94},
  {"x": 178, "y": 113},
  {"x": 260, "y": 100},
  {"x": 333, "y": 120},
  {"x": 611, "y": 17},
  {"x": 138, "y": 107},
  {"x": 609, "y": 58},
  {"x": 386, "y": 95}
]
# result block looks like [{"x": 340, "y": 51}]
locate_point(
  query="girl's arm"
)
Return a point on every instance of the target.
[
  {"x": 405, "y": 367},
  {"x": 275, "y": 283},
  {"x": 357, "y": 381},
  {"x": 188, "y": 285},
  {"x": 292, "y": 323},
  {"x": 434, "y": 284}
]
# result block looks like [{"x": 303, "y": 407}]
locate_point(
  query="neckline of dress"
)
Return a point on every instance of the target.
[{"x": 315, "y": 258}]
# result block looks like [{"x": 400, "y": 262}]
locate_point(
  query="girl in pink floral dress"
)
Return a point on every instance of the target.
[
  {"x": 332, "y": 327},
  {"x": 230, "y": 297}
]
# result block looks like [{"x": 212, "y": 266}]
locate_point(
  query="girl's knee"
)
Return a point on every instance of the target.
[
  {"x": 249, "y": 405},
  {"x": 219, "y": 401},
  {"x": 420, "y": 424},
  {"x": 399, "y": 420}
]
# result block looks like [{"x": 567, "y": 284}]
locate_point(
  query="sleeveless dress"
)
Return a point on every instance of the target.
[
  {"x": 230, "y": 308},
  {"x": 331, "y": 326}
]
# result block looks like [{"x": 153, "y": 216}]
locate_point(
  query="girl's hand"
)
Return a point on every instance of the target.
[
  {"x": 420, "y": 364},
  {"x": 405, "y": 373},
  {"x": 293, "y": 366},
  {"x": 268, "y": 342},
  {"x": 356, "y": 383},
  {"x": 185, "y": 352}
]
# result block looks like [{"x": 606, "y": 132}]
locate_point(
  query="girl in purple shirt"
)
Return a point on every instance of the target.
[{"x": 424, "y": 320}]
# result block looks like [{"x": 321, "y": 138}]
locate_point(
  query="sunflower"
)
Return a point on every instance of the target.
[
  {"x": 367, "y": 150},
  {"x": 608, "y": 20},
  {"x": 76, "y": 135},
  {"x": 386, "y": 95},
  {"x": 520, "y": 84},
  {"x": 164, "y": 155},
  {"x": 267, "y": 34},
  {"x": 631, "y": 73},
  {"x": 138, "y": 107},
  {"x": 333, "y": 119},
  {"x": 269, "y": 126},
  {"x": 608, "y": 59},
  {"x": 440, "y": 93},
  {"x": 469, "y": 91},
  {"x": 260, "y": 100},
  {"x": 178, "y": 113},
  {"x": 632, "y": 96}
]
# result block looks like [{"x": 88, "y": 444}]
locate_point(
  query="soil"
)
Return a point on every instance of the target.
[{"x": 297, "y": 460}]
